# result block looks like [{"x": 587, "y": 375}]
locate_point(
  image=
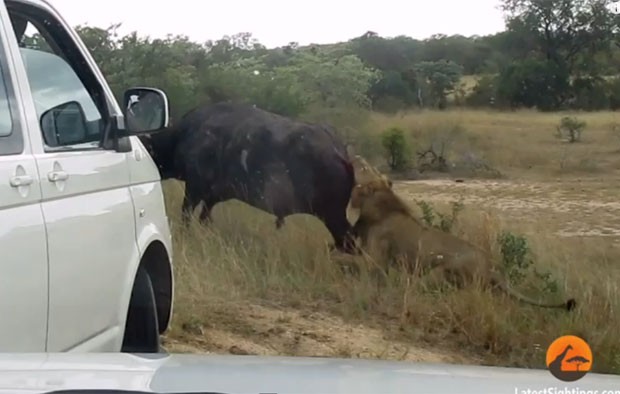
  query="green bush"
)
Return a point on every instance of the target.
[
  {"x": 517, "y": 262},
  {"x": 446, "y": 221},
  {"x": 396, "y": 148},
  {"x": 571, "y": 127}
]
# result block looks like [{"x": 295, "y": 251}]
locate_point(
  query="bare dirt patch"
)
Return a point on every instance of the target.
[
  {"x": 569, "y": 207},
  {"x": 269, "y": 330}
]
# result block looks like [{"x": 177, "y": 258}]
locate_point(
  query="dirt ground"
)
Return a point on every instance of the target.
[
  {"x": 276, "y": 331},
  {"x": 569, "y": 208},
  {"x": 578, "y": 207}
]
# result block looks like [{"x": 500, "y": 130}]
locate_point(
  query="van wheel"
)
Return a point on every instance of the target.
[{"x": 142, "y": 328}]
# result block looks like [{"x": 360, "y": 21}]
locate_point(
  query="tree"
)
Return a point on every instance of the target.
[
  {"x": 441, "y": 79},
  {"x": 533, "y": 83},
  {"x": 343, "y": 82},
  {"x": 578, "y": 360},
  {"x": 554, "y": 53},
  {"x": 565, "y": 32},
  {"x": 252, "y": 81}
]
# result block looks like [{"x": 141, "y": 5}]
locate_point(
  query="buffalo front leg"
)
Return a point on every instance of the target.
[
  {"x": 205, "y": 211},
  {"x": 190, "y": 201},
  {"x": 187, "y": 208},
  {"x": 341, "y": 231}
]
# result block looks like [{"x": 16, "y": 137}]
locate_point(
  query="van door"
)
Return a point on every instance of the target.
[
  {"x": 23, "y": 251},
  {"x": 86, "y": 200}
]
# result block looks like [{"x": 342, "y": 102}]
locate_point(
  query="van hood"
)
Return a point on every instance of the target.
[{"x": 185, "y": 373}]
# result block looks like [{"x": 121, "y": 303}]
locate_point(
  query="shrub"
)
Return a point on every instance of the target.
[
  {"x": 396, "y": 148},
  {"x": 517, "y": 261},
  {"x": 446, "y": 222},
  {"x": 571, "y": 127}
]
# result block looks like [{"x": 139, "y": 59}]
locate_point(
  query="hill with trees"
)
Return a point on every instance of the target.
[{"x": 554, "y": 54}]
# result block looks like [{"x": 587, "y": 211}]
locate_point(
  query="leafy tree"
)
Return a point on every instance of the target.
[
  {"x": 553, "y": 54},
  {"x": 590, "y": 93},
  {"x": 331, "y": 83},
  {"x": 565, "y": 32},
  {"x": 441, "y": 79},
  {"x": 533, "y": 83}
]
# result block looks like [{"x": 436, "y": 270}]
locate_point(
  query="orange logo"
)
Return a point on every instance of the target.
[{"x": 569, "y": 358}]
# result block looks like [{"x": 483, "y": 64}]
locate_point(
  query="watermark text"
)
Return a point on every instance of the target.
[{"x": 564, "y": 390}]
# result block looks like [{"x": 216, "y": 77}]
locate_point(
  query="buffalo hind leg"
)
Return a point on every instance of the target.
[
  {"x": 205, "y": 213},
  {"x": 279, "y": 222},
  {"x": 191, "y": 200}
]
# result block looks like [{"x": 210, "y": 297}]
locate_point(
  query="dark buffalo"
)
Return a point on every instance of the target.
[{"x": 235, "y": 151}]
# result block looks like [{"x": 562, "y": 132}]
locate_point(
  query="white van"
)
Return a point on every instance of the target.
[{"x": 85, "y": 245}]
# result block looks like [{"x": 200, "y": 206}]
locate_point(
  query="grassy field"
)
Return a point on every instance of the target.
[{"x": 244, "y": 288}]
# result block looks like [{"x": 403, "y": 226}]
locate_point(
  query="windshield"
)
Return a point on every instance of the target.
[{"x": 418, "y": 181}]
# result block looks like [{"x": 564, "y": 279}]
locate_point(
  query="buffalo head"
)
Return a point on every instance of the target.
[{"x": 162, "y": 147}]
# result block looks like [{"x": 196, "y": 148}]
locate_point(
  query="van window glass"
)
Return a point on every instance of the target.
[
  {"x": 6, "y": 123},
  {"x": 52, "y": 92}
]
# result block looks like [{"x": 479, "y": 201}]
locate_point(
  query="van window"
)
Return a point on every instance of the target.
[
  {"x": 70, "y": 105},
  {"x": 65, "y": 86},
  {"x": 6, "y": 123}
]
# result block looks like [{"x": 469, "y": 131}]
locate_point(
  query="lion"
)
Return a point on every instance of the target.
[
  {"x": 374, "y": 214},
  {"x": 389, "y": 230},
  {"x": 365, "y": 172}
]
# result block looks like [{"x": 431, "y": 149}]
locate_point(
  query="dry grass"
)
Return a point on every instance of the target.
[
  {"x": 519, "y": 143},
  {"x": 243, "y": 287}
]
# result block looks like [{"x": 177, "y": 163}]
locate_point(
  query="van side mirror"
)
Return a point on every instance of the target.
[
  {"x": 64, "y": 124},
  {"x": 145, "y": 110}
]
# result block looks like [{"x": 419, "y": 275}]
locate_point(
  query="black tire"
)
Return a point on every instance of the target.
[{"x": 142, "y": 327}]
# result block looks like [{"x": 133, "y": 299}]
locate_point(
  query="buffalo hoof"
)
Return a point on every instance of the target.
[
  {"x": 349, "y": 268},
  {"x": 347, "y": 248}
]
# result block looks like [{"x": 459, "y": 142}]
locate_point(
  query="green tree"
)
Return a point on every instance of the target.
[
  {"x": 533, "y": 83},
  {"x": 560, "y": 40},
  {"x": 565, "y": 32},
  {"x": 333, "y": 83},
  {"x": 440, "y": 78}
]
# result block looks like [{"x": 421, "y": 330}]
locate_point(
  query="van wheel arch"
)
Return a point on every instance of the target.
[
  {"x": 149, "y": 308},
  {"x": 156, "y": 262}
]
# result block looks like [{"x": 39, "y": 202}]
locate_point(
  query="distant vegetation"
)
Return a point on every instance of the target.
[{"x": 553, "y": 55}]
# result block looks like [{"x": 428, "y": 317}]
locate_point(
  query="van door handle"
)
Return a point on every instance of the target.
[
  {"x": 56, "y": 176},
  {"x": 20, "y": 180}
]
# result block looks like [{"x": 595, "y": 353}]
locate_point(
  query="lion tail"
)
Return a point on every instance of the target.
[{"x": 500, "y": 282}]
